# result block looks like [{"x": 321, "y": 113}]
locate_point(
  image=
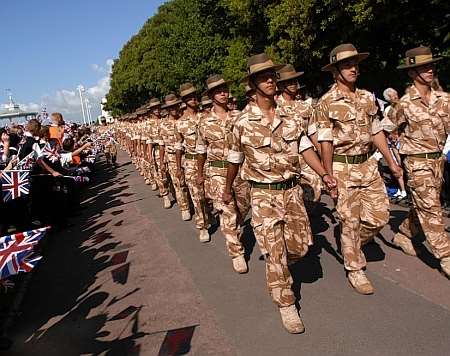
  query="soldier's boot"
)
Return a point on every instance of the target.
[
  {"x": 360, "y": 282},
  {"x": 186, "y": 215},
  {"x": 291, "y": 320},
  {"x": 405, "y": 244},
  {"x": 154, "y": 187},
  {"x": 239, "y": 264},
  {"x": 204, "y": 235},
  {"x": 166, "y": 202},
  {"x": 445, "y": 265}
]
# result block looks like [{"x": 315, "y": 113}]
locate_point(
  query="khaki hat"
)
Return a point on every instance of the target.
[
  {"x": 215, "y": 81},
  {"x": 206, "y": 100},
  {"x": 343, "y": 52},
  {"x": 187, "y": 89},
  {"x": 154, "y": 102},
  {"x": 287, "y": 72},
  {"x": 259, "y": 63},
  {"x": 417, "y": 57},
  {"x": 171, "y": 100}
]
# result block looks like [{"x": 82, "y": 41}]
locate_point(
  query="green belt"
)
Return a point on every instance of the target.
[
  {"x": 190, "y": 156},
  {"x": 287, "y": 184},
  {"x": 433, "y": 155},
  {"x": 357, "y": 159},
  {"x": 218, "y": 164}
]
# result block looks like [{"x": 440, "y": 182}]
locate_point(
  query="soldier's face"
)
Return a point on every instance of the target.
[
  {"x": 191, "y": 101},
  {"x": 423, "y": 74},
  {"x": 266, "y": 82},
  {"x": 174, "y": 110},
  {"x": 290, "y": 86},
  {"x": 349, "y": 70},
  {"x": 156, "y": 111},
  {"x": 220, "y": 95}
]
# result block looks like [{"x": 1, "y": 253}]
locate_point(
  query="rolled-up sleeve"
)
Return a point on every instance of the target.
[
  {"x": 200, "y": 146},
  {"x": 305, "y": 143},
  {"x": 235, "y": 154},
  {"x": 323, "y": 122}
]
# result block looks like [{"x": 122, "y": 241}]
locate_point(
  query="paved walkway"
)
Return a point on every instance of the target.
[{"x": 128, "y": 273}]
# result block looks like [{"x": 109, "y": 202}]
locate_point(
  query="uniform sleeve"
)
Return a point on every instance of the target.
[
  {"x": 201, "y": 144},
  {"x": 372, "y": 111},
  {"x": 305, "y": 143},
  {"x": 323, "y": 122},
  {"x": 235, "y": 154},
  {"x": 162, "y": 135},
  {"x": 178, "y": 139}
]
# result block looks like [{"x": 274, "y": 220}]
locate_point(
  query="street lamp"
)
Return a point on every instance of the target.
[{"x": 80, "y": 89}]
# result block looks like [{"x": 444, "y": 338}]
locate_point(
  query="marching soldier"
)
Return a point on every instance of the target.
[
  {"x": 168, "y": 153},
  {"x": 212, "y": 147},
  {"x": 348, "y": 129},
  {"x": 423, "y": 119},
  {"x": 267, "y": 142},
  {"x": 154, "y": 147},
  {"x": 302, "y": 111},
  {"x": 186, "y": 130}
]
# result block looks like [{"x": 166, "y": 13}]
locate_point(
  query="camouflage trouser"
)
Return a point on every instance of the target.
[
  {"x": 310, "y": 182},
  {"x": 242, "y": 190},
  {"x": 179, "y": 187},
  {"x": 283, "y": 233},
  {"x": 362, "y": 206},
  {"x": 111, "y": 152},
  {"x": 197, "y": 193},
  {"x": 149, "y": 171},
  {"x": 425, "y": 183},
  {"x": 161, "y": 182},
  {"x": 228, "y": 213}
]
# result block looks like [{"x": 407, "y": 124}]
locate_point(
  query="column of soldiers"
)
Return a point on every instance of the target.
[{"x": 262, "y": 157}]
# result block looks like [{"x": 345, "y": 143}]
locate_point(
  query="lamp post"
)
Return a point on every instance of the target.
[
  {"x": 88, "y": 110},
  {"x": 80, "y": 89}
]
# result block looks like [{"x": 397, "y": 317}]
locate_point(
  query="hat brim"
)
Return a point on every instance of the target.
[
  {"x": 188, "y": 92},
  {"x": 226, "y": 82},
  {"x": 359, "y": 57},
  {"x": 415, "y": 65},
  {"x": 165, "y": 106},
  {"x": 275, "y": 67},
  {"x": 290, "y": 77}
]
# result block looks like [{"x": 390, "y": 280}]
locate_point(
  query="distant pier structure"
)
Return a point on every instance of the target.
[{"x": 12, "y": 111}]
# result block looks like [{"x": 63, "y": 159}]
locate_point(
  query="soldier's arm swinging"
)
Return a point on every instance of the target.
[
  {"x": 313, "y": 161},
  {"x": 201, "y": 159},
  {"x": 379, "y": 140},
  {"x": 327, "y": 155},
  {"x": 232, "y": 171}
]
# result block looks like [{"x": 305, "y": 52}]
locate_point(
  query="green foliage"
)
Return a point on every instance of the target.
[{"x": 187, "y": 40}]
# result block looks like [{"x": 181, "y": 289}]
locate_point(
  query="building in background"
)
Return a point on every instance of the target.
[{"x": 12, "y": 112}]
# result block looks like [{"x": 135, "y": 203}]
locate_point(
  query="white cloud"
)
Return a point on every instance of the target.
[{"x": 67, "y": 101}]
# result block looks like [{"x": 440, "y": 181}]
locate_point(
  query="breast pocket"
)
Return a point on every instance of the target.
[
  {"x": 190, "y": 136},
  {"x": 257, "y": 151}
]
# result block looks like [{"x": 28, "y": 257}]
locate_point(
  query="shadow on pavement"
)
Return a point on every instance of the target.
[{"x": 65, "y": 309}]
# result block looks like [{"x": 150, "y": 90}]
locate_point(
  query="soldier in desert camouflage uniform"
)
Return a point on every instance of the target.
[
  {"x": 302, "y": 111},
  {"x": 423, "y": 119},
  {"x": 267, "y": 142},
  {"x": 154, "y": 147},
  {"x": 349, "y": 128},
  {"x": 168, "y": 153},
  {"x": 212, "y": 147},
  {"x": 186, "y": 130}
]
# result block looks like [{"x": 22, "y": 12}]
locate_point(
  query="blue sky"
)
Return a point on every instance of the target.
[{"x": 48, "y": 47}]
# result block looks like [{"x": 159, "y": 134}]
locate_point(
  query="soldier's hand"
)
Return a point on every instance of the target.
[
  {"x": 227, "y": 197},
  {"x": 329, "y": 181},
  {"x": 396, "y": 170},
  {"x": 200, "y": 179}
]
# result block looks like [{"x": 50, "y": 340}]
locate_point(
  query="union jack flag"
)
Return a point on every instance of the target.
[
  {"x": 16, "y": 252},
  {"x": 90, "y": 158},
  {"x": 15, "y": 184},
  {"x": 27, "y": 162},
  {"x": 51, "y": 153}
]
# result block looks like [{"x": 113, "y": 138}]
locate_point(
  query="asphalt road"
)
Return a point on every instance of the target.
[{"x": 128, "y": 273}]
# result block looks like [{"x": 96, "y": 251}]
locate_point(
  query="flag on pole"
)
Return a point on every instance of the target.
[
  {"x": 17, "y": 252},
  {"x": 15, "y": 183}
]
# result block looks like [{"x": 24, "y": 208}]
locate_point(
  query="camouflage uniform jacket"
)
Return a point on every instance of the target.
[
  {"x": 423, "y": 127},
  {"x": 155, "y": 130},
  {"x": 168, "y": 134},
  {"x": 302, "y": 111},
  {"x": 214, "y": 135},
  {"x": 186, "y": 130},
  {"x": 269, "y": 152},
  {"x": 348, "y": 122}
]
